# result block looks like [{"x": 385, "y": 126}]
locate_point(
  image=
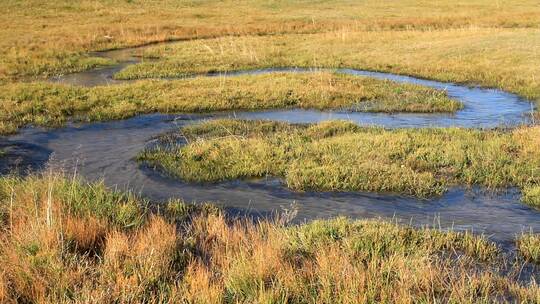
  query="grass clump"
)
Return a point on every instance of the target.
[
  {"x": 53, "y": 104},
  {"x": 531, "y": 196},
  {"x": 55, "y": 251},
  {"x": 340, "y": 156},
  {"x": 528, "y": 245},
  {"x": 78, "y": 199}
]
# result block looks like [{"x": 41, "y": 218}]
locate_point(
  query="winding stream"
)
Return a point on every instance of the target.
[
  {"x": 483, "y": 108},
  {"x": 106, "y": 150}
]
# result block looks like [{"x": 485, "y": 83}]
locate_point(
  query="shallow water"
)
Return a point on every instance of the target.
[{"x": 106, "y": 151}]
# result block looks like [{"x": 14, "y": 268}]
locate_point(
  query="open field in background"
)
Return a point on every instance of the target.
[
  {"x": 47, "y": 104},
  {"x": 508, "y": 59},
  {"x": 341, "y": 156},
  {"x": 62, "y": 240},
  {"x": 40, "y": 38}
]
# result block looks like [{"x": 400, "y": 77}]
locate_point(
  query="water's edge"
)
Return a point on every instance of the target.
[
  {"x": 483, "y": 108},
  {"x": 106, "y": 150}
]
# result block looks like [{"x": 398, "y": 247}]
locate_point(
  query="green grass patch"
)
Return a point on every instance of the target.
[
  {"x": 340, "y": 156},
  {"x": 47, "y": 65},
  {"x": 383, "y": 239},
  {"x": 48, "y": 104},
  {"x": 77, "y": 199}
]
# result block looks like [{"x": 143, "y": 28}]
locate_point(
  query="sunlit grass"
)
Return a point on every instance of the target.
[
  {"x": 341, "y": 156},
  {"x": 40, "y": 38},
  {"x": 53, "y": 104},
  {"x": 531, "y": 195},
  {"x": 498, "y": 58},
  {"x": 529, "y": 246},
  {"x": 66, "y": 240}
]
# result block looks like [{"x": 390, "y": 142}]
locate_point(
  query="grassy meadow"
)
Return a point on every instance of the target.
[
  {"x": 67, "y": 241},
  {"x": 341, "y": 156},
  {"x": 48, "y": 104},
  {"x": 492, "y": 44},
  {"x": 64, "y": 240},
  {"x": 54, "y": 37}
]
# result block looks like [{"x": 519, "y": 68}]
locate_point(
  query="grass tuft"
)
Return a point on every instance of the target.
[
  {"x": 528, "y": 245},
  {"x": 531, "y": 196}
]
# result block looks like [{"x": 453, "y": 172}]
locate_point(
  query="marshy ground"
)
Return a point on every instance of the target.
[{"x": 66, "y": 240}]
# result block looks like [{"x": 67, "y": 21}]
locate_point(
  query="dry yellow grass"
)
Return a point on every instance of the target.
[
  {"x": 198, "y": 255},
  {"x": 40, "y": 38},
  {"x": 3, "y": 287},
  {"x": 85, "y": 233}
]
